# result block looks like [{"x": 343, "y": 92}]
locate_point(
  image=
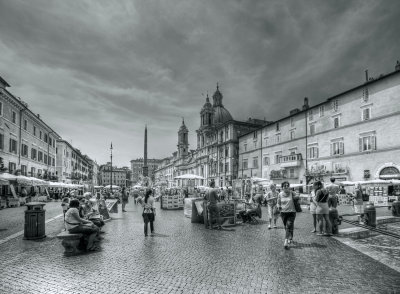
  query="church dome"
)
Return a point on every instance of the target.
[{"x": 221, "y": 115}]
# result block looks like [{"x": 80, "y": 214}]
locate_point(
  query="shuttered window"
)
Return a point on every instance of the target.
[
  {"x": 13, "y": 146},
  {"x": 367, "y": 143},
  {"x": 337, "y": 148}
]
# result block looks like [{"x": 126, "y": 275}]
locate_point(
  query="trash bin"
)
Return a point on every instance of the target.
[
  {"x": 396, "y": 208},
  {"x": 34, "y": 221}
]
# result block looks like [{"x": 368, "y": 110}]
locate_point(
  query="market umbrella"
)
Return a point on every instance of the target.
[
  {"x": 24, "y": 180},
  {"x": 346, "y": 183},
  {"x": 113, "y": 186},
  {"x": 8, "y": 177}
]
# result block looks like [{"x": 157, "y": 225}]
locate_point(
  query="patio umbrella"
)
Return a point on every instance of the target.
[
  {"x": 189, "y": 177},
  {"x": 113, "y": 186}
]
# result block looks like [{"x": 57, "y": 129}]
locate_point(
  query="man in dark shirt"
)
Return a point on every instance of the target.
[{"x": 212, "y": 199}]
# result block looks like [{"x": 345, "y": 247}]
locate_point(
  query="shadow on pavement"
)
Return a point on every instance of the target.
[
  {"x": 159, "y": 235},
  {"x": 298, "y": 245}
]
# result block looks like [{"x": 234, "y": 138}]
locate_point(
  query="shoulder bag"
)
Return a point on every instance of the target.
[{"x": 296, "y": 203}]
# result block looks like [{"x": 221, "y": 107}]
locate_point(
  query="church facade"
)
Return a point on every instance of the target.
[{"x": 217, "y": 153}]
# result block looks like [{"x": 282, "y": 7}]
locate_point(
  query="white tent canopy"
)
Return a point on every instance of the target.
[
  {"x": 113, "y": 186},
  {"x": 190, "y": 177}
]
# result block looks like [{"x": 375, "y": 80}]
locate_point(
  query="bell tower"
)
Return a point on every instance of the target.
[{"x": 183, "y": 141}]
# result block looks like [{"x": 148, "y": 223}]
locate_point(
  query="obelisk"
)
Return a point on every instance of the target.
[{"x": 145, "y": 169}]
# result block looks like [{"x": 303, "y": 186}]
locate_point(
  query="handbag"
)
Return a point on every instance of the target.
[{"x": 296, "y": 203}]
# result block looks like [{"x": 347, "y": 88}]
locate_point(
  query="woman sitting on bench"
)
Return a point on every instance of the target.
[
  {"x": 77, "y": 225},
  {"x": 253, "y": 207}
]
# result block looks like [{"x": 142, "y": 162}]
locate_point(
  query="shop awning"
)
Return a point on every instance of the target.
[{"x": 190, "y": 177}]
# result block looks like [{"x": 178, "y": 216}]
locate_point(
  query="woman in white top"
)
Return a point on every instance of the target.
[
  {"x": 77, "y": 225},
  {"x": 148, "y": 211}
]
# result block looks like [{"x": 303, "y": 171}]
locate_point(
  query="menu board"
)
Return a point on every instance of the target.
[{"x": 112, "y": 205}]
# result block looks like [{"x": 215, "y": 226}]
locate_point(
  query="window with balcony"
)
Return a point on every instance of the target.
[
  {"x": 312, "y": 152},
  {"x": 367, "y": 142},
  {"x": 13, "y": 146},
  {"x": 366, "y": 113},
  {"x": 245, "y": 164},
  {"x": 255, "y": 162},
  {"x": 312, "y": 129},
  {"x": 14, "y": 117},
  {"x": 321, "y": 111},
  {"x": 337, "y": 148},
  {"x": 266, "y": 160}
]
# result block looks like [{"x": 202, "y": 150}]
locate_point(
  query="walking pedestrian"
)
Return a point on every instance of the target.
[
  {"x": 358, "y": 202},
  {"x": 313, "y": 204},
  {"x": 286, "y": 206},
  {"x": 212, "y": 198},
  {"x": 322, "y": 211},
  {"x": 272, "y": 199},
  {"x": 125, "y": 197},
  {"x": 148, "y": 212},
  {"x": 333, "y": 191}
]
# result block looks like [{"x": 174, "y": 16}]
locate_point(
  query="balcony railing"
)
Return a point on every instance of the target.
[{"x": 292, "y": 160}]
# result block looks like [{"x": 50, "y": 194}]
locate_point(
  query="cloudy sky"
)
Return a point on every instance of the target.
[{"x": 98, "y": 71}]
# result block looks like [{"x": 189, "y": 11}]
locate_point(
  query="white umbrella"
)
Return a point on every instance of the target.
[
  {"x": 113, "y": 186},
  {"x": 189, "y": 177},
  {"x": 255, "y": 179},
  {"x": 24, "y": 180},
  {"x": 346, "y": 183},
  {"x": 8, "y": 177}
]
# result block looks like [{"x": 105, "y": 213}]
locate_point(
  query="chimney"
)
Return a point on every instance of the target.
[{"x": 305, "y": 106}]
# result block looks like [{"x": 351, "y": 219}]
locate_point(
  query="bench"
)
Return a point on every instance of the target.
[{"x": 70, "y": 242}]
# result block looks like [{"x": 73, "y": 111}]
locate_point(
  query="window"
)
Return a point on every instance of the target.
[
  {"x": 24, "y": 150},
  {"x": 335, "y": 105},
  {"x": 266, "y": 141},
  {"x": 24, "y": 170},
  {"x": 367, "y": 142},
  {"x": 25, "y": 124},
  {"x": 45, "y": 138},
  {"x": 53, "y": 162},
  {"x": 255, "y": 162},
  {"x": 40, "y": 156},
  {"x": 245, "y": 147},
  {"x": 277, "y": 127},
  {"x": 245, "y": 164},
  {"x": 227, "y": 167},
  {"x": 40, "y": 135},
  {"x": 336, "y": 122},
  {"x": 50, "y": 143},
  {"x": 45, "y": 158},
  {"x": 226, "y": 151},
  {"x": 1, "y": 108},
  {"x": 1, "y": 141},
  {"x": 12, "y": 167},
  {"x": 310, "y": 115},
  {"x": 312, "y": 129},
  {"x": 34, "y": 130},
  {"x": 292, "y": 135},
  {"x": 321, "y": 111},
  {"x": 278, "y": 138},
  {"x": 33, "y": 153},
  {"x": 312, "y": 152},
  {"x": 291, "y": 122},
  {"x": 266, "y": 160},
  {"x": 278, "y": 155},
  {"x": 14, "y": 117},
  {"x": 291, "y": 173},
  {"x": 365, "y": 113},
  {"x": 13, "y": 146},
  {"x": 255, "y": 135},
  {"x": 33, "y": 171},
  {"x": 365, "y": 96},
  {"x": 337, "y": 148}
]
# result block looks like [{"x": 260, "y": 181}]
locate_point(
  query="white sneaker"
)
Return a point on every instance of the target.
[
  {"x": 269, "y": 227},
  {"x": 286, "y": 245}
]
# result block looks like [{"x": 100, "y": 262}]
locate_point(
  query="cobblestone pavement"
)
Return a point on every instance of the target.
[
  {"x": 187, "y": 258},
  {"x": 12, "y": 219}
]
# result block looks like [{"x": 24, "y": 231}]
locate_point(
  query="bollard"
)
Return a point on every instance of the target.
[
  {"x": 370, "y": 215},
  {"x": 334, "y": 218},
  {"x": 396, "y": 208}
]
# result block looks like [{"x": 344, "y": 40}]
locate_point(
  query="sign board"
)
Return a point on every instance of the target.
[
  {"x": 379, "y": 200},
  {"x": 103, "y": 210},
  {"x": 13, "y": 191},
  {"x": 112, "y": 205}
]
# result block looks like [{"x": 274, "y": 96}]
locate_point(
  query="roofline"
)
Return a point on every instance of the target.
[
  {"x": 327, "y": 100},
  {"x": 4, "y": 82}
]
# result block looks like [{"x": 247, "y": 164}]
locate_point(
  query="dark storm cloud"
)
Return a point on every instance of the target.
[{"x": 100, "y": 70}]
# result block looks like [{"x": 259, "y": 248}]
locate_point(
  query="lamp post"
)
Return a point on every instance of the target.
[{"x": 111, "y": 149}]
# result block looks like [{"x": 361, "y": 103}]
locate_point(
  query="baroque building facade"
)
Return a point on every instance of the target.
[
  {"x": 351, "y": 136},
  {"x": 137, "y": 169},
  {"x": 215, "y": 157}
]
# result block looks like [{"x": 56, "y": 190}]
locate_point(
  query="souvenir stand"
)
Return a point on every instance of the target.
[{"x": 172, "y": 199}]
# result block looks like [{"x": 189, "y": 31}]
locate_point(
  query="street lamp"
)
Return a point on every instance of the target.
[{"x": 111, "y": 149}]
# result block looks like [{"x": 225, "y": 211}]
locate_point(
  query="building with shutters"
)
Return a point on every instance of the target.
[
  {"x": 27, "y": 143},
  {"x": 351, "y": 136}
]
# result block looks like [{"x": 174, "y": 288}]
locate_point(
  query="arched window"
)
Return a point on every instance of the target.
[{"x": 389, "y": 172}]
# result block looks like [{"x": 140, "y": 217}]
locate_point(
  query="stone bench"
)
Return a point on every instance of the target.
[{"x": 70, "y": 242}]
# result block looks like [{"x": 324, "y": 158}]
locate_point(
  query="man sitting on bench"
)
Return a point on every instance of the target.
[
  {"x": 253, "y": 207},
  {"x": 77, "y": 225}
]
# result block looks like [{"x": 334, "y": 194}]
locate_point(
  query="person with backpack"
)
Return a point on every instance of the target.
[
  {"x": 287, "y": 207},
  {"x": 148, "y": 212},
  {"x": 322, "y": 211}
]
